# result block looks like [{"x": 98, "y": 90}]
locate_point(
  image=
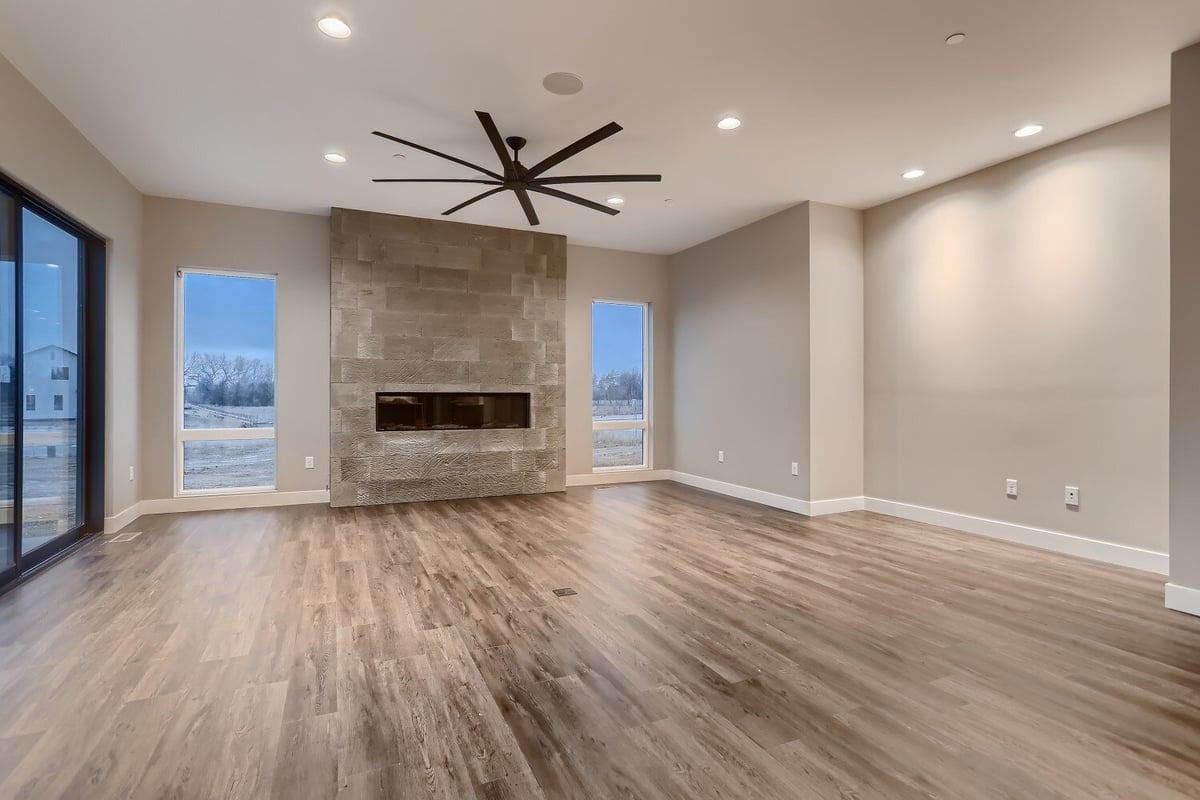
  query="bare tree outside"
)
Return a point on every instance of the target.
[
  {"x": 618, "y": 395},
  {"x": 218, "y": 380}
]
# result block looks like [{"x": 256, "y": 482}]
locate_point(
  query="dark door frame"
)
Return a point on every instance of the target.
[{"x": 91, "y": 365}]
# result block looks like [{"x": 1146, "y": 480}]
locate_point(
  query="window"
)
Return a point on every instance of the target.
[
  {"x": 620, "y": 392},
  {"x": 59, "y": 373},
  {"x": 31, "y": 402},
  {"x": 225, "y": 383},
  {"x": 58, "y": 402}
]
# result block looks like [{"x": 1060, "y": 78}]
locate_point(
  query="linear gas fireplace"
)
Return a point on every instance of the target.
[{"x": 451, "y": 411}]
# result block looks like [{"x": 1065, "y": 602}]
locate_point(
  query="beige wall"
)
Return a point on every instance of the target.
[
  {"x": 835, "y": 267},
  {"x": 43, "y": 151},
  {"x": 740, "y": 305},
  {"x": 596, "y": 274},
  {"x": 181, "y": 233},
  {"x": 1017, "y": 327},
  {"x": 1185, "y": 319}
]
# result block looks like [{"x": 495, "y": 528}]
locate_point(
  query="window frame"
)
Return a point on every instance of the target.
[
  {"x": 645, "y": 424},
  {"x": 183, "y": 435}
]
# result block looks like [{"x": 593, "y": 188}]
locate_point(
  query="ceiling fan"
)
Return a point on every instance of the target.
[{"x": 520, "y": 179}]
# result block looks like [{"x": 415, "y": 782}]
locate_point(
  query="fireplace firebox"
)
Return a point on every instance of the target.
[{"x": 450, "y": 411}]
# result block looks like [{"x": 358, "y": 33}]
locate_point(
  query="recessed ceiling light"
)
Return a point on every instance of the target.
[
  {"x": 729, "y": 123},
  {"x": 335, "y": 158},
  {"x": 616, "y": 200},
  {"x": 913, "y": 174},
  {"x": 956, "y": 38},
  {"x": 334, "y": 27},
  {"x": 562, "y": 83},
  {"x": 1028, "y": 130}
]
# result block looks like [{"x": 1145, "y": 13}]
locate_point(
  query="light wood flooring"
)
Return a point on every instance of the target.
[{"x": 715, "y": 649}]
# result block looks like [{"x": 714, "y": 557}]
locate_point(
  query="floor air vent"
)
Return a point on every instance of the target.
[{"x": 564, "y": 592}]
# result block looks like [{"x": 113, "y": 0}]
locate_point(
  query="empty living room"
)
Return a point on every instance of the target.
[{"x": 632, "y": 400}]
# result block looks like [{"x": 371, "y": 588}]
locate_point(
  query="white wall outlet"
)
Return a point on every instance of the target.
[
  {"x": 131, "y": 472},
  {"x": 1071, "y": 497},
  {"x": 308, "y": 462},
  {"x": 1010, "y": 487},
  {"x": 721, "y": 456},
  {"x": 795, "y": 467}
]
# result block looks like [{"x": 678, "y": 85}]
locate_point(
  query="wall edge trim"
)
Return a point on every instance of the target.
[{"x": 1183, "y": 598}]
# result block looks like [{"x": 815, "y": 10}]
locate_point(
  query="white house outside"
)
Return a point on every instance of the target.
[{"x": 51, "y": 377}]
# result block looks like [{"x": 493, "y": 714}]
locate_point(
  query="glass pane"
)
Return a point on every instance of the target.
[
  {"x": 50, "y": 269},
  {"x": 618, "y": 351},
  {"x": 229, "y": 464},
  {"x": 8, "y": 385},
  {"x": 228, "y": 352},
  {"x": 618, "y": 448}
]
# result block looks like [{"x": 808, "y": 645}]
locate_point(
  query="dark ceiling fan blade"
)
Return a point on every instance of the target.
[
  {"x": 599, "y": 179},
  {"x": 437, "y": 180},
  {"x": 527, "y": 204},
  {"x": 592, "y": 138},
  {"x": 425, "y": 149},
  {"x": 573, "y": 198},
  {"x": 474, "y": 199},
  {"x": 493, "y": 134}
]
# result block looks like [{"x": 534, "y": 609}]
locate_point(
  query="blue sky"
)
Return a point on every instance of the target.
[
  {"x": 230, "y": 315},
  {"x": 616, "y": 337}
]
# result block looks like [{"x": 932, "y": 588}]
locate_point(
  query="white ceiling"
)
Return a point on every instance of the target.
[{"x": 235, "y": 102}]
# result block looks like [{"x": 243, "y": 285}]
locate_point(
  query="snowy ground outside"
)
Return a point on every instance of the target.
[
  {"x": 234, "y": 464},
  {"x": 617, "y": 448}
]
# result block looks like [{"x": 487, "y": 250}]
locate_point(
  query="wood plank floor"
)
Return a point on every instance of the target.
[{"x": 715, "y": 649}]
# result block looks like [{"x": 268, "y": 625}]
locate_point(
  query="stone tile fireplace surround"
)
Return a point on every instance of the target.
[{"x": 421, "y": 305}]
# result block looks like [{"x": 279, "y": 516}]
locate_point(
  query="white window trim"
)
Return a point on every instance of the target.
[
  {"x": 645, "y": 424},
  {"x": 217, "y": 434}
]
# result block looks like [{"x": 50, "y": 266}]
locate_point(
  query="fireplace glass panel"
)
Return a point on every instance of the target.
[{"x": 448, "y": 411}]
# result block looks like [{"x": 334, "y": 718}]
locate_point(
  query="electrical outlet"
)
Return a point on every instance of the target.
[
  {"x": 721, "y": 456},
  {"x": 795, "y": 467},
  {"x": 1071, "y": 497},
  {"x": 130, "y": 472},
  {"x": 308, "y": 462},
  {"x": 1010, "y": 487}
]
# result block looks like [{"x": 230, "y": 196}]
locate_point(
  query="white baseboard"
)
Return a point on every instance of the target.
[
  {"x": 226, "y": 502},
  {"x": 1183, "y": 598},
  {"x": 809, "y": 508},
  {"x": 122, "y": 518},
  {"x": 771, "y": 499},
  {"x": 1111, "y": 553},
  {"x": 632, "y": 476}
]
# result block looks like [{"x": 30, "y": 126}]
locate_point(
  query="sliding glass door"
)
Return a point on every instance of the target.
[
  {"x": 51, "y": 382},
  {"x": 8, "y": 385}
]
